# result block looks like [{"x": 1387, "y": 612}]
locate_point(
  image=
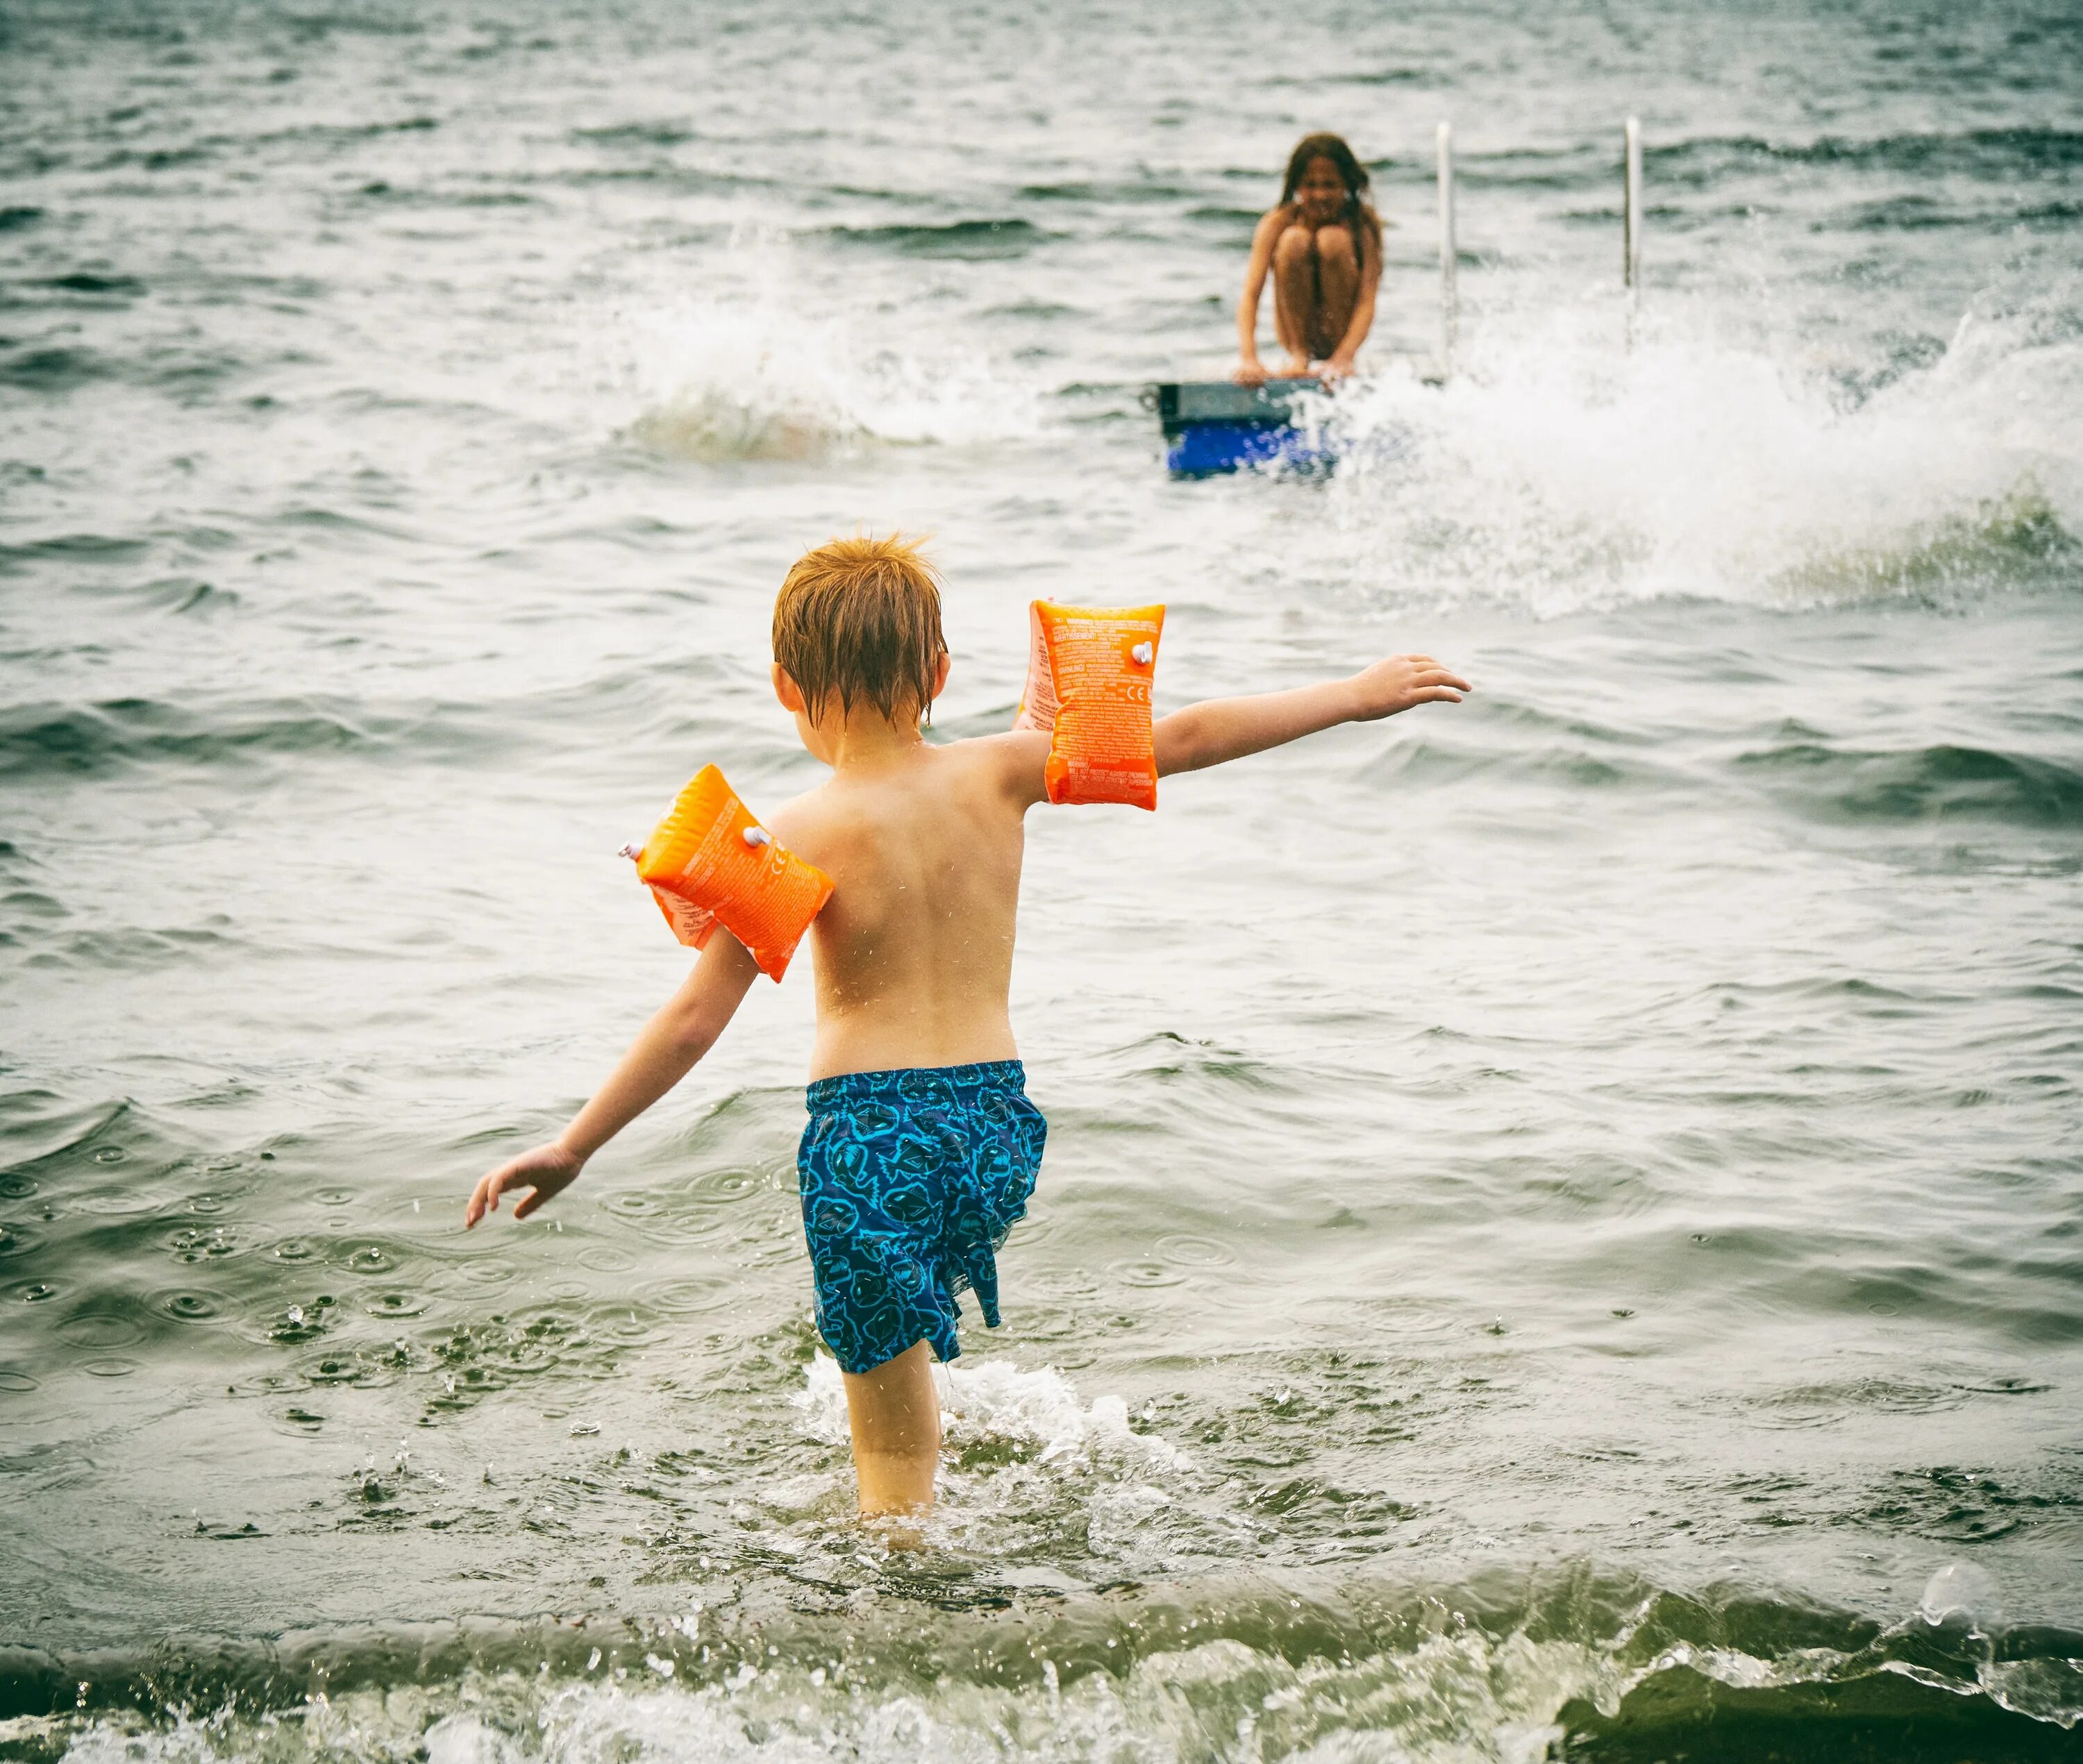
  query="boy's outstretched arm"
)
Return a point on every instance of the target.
[
  {"x": 664, "y": 1052},
  {"x": 1220, "y": 729}
]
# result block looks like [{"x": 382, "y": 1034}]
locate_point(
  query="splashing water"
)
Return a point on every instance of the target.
[
  {"x": 1557, "y": 471},
  {"x": 751, "y": 380}
]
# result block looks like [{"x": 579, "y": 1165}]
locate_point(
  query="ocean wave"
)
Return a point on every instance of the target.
[
  {"x": 664, "y": 132},
  {"x": 40, "y": 741},
  {"x": 73, "y": 547},
  {"x": 721, "y": 382},
  {"x": 338, "y": 133},
  {"x": 322, "y": 27},
  {"x": 132, "y": 951},
  {"x": 204, "y": 150},
  {"x": 1942, "y": 783},
  {"x": 1512, "y": 1663},
  {"x": 972, "y": 240},
  {"x": 1536, "y": 168},
  {"x": 41, "y": 1128},
  {"x": 82, "y": 281},
  {"x": 2014, "y": 537},
  {"x": 1998, "y": 155},
  {"x": 1380, "y": 76},
  {"x": 1567, "y": 765},
  {"x": 1119, "y": 190},
  {"x": 57, "y": 368},
  {"x": 1923, "y": 214},
  {"x": 1558, "y": 469},
  {"x": 52, "y": 368},
  {"x": 382, "y": 190},
  {"x": 182, "y": 595}
]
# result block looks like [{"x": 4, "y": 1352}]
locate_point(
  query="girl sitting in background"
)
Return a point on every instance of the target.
[{"x": 1323, "y": 246}]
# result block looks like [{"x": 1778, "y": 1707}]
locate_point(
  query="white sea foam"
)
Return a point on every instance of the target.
[
  {"x": 1963, "y": 1593},
  {"x": 1559, "y": 469},
  {"x": 994, "y": 1400},
  {"x": 1457, "y": 1696},
  {"x": 1025, "y": 1457},
  {"x": 779, "y": 372},
  {"x": 1437, "y": 1686}
]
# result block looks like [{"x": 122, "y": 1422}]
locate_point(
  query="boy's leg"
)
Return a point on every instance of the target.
[{"x": 894, "y": 1412}]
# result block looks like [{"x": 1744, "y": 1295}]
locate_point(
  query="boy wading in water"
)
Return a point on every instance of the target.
[
  {"x": 1322, "y": 246},
  {"x": 922, "y": 1147}
]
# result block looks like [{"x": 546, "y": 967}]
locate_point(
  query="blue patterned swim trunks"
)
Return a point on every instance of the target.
[{"x": 911, "y": 1181}]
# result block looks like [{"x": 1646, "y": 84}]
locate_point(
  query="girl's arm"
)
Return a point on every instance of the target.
[
  {"x": 1362, "y": 319},
  {"x": 1221, "y": 729},
  {"x": 1251, "y": 371},
  {"x": 664, "y": 1052}
]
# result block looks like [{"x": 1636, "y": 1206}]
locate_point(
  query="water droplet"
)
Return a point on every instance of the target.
[{"x": 1962, "y": 1592}]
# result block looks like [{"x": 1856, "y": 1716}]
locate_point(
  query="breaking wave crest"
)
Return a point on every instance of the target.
[
  {"x": 718, "y": 382},
  {"x": 1558, "y": 469},
  {"x": 1506, "y": 1665}
]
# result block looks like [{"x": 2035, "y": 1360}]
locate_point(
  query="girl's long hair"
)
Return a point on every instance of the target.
[{"x": 1359, "y": 216}]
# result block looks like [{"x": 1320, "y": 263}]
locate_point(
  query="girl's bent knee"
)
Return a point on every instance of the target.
[
  {"x": 1293, "y": 245},
  {"x": 1335, "y": 243}
]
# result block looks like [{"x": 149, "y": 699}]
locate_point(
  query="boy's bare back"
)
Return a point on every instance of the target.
[{"x": 914, "y": 952}]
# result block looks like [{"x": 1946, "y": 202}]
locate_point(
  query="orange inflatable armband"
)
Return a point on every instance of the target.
[
  {"x": 1088, "y": 674},
  {"x": 708, "y": 863}
]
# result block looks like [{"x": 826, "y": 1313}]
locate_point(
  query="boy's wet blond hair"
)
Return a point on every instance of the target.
[{"x": 860, "y": 618}]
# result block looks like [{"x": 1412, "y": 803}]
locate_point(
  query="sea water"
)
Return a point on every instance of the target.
[{"x": 1561, "y": 1228}]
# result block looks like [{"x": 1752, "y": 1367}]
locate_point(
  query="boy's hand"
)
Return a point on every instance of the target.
[
  {"x": 1399, "y": 681},
  {"x": 546, "y": 1172}
]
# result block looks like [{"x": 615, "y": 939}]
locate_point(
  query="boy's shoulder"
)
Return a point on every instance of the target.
[
  {"x": 1009, "y": 763},
  {"x": 1011, "y": 759},
  {"x": 1003, "y": 747}
]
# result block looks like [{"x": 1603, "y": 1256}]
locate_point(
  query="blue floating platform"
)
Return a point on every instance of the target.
[{"x": 1215, "y": 426}]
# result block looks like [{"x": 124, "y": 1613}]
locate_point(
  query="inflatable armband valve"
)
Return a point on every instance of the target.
[
  {"x": 708, "y": 863},
  {"x": 1088, "y": 674}
]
